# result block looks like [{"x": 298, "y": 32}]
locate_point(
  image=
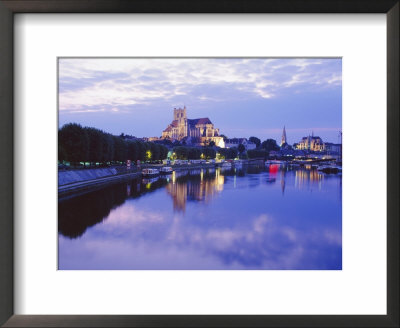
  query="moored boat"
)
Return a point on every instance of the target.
[
  {"x": 166, "y": 170},
  {"x": 150, "y": 172},
  {"x": 273, "y": 162},
  {"x": 329, "y": 169}
]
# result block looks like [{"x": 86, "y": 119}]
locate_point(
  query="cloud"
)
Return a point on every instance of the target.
[{"x": 112, "y": 83}]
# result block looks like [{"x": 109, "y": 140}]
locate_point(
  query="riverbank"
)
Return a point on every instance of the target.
[
  {"x": 80, "y": 187},
  {"x": 72, "y": 183},
  {"x": 66, "y": 177},
  {"x": 76, "y": 182}
]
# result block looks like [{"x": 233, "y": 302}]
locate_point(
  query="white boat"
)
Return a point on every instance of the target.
[
  {"x": 166, "y": 170},
  {"x": 226, "y": 164},
  {"x": 329, "y": 169},
  {"x": 273, "y": 162},
  {"x": 150, "y": 172}
]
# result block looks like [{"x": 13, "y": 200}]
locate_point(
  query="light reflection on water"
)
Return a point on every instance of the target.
[{"x": 250, "y": 218}]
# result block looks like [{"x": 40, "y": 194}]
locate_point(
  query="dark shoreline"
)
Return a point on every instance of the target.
[{"x": 77, "y": 188}]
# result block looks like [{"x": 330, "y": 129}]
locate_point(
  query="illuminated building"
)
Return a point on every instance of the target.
[
  {"x": 201, "y": 129},
  {"x": 235, "y": 142},
  {"x": 150, "y": 139},
  {"x": 311, "y": 143}
]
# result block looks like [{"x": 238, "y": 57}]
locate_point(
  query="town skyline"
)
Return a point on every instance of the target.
[{"x": 242, "y": 97}]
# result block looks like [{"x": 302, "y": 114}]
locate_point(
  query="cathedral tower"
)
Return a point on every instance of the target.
[
  {"x": 181, "y": 125},
  {"x": 180, "y": 114}
]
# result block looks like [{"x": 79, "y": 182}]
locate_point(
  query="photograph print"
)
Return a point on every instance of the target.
[{"x": 199, "y": 163}]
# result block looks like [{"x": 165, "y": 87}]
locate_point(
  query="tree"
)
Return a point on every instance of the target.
[
  {"x": 286, "y": 146},
  {"x": 209, "y": 153},
  {"x": 241, "y": 148},
  {"x": 257, "y": 153},
  {"x": 243, "y": 155},
  {"x": 132, "y": 152},
  {"x": 224, "y": 137},
  {"x": 120, "y": 149},
  {"x": 269, "y": 145},
  {"x": 78, "y": 144},
  {"x": 75, "y": 143},
  {"x": 155, "y": 151},
  {"x": 107, "y": 143},
  {"x": 141, "y": 150},
  {"x": 211, "y": 143},
  {"x": 147, "y": 151},
  {"x": 194, "y": 153},
  {"x": 255, "y": 140},
  {"x": 163, "y": 152},
  {"x": 95, "y": 145},
  {"x": 62, "y": 155},
  {"x": 228, "y": 153},
  {"x": 181, "y": 152},
  {"x": 232, "y": 153}
]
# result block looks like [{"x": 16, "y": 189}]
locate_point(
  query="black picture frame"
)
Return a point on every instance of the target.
[{"x": 10, "y": 7}]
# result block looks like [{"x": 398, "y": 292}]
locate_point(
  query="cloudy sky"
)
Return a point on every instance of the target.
[{"x": 242, "y": 97}]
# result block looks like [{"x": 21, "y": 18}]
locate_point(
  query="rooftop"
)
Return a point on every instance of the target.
[{"x": 204, "y": 120}]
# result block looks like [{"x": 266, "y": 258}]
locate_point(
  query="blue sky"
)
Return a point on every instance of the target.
[{"x": 241, "y": 96}]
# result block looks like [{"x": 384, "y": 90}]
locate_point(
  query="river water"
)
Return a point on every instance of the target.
[{"x": 255, "y": 218}]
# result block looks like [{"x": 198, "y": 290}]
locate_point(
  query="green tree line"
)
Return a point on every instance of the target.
[
  {"x": 257, "y": 153},
  {"x": 184, "y": 152},
  {"x": 84, "y": 144}
]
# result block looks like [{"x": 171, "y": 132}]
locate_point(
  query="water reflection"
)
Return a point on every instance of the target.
[
  {"x": 252, "y": 217},
  {"x": 201, "y": 185},
  {"x": 77, "y": 214},
  {"x": 307, "y": 179},
  {"x": 283, "y": 176}
]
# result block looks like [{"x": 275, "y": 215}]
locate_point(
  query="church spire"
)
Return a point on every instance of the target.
[{"x": 283, "y": 140}]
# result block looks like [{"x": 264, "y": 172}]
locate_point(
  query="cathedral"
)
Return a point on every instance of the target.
[
  {"x": 311, "y": 143},
  {"x": 199, "y": 131}
]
